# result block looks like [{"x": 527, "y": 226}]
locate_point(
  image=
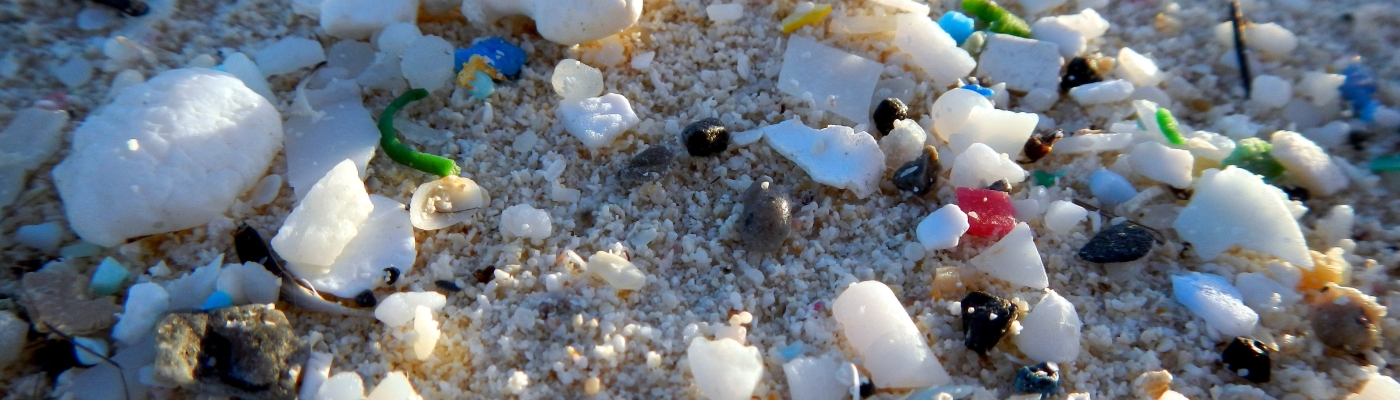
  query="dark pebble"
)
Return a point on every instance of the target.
[
  {"x": 889, "y": 110},
  {"x": 706, "y": 137},
  {"x": 1043, "y": 378},
  {"x": 1000, "y": 186},
  {"x": 919, "y": 176},
  {"x": 1352, "y": 326},
  {"x": 251, "y": 247},
  {"x": 448, "y": 286},
  {"x": 649, "y": 165},
  {"x": 1248, "y": 358},
  {"x": 1297, "y": 193},
  {"x": 391, "y": 275},
  {"x": 1119, "y": 243},
  {"x": 867, "y": 388},
  {"x": 1078, "y": 73},
  {"x": 133, "y": 8},
  {"x": 55, "y": 356},
  {"x": 985, "y": 318},
  {"x": 366, "y": 299},
  {"x": 484, "y": 275},
  {"x": 1039, "y": 146},
  {"x": 764, "y": 224}
]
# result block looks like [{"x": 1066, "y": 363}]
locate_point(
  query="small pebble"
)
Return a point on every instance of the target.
[
  {"x": 1298, "y": 193},
  {"x": 889, "y": 110},
  {"x": 1000, "y": 186},
  {"x": 1119, "y": 243},
  {"x": 867, "y": 388},
  {"x": 1248, "y": 358},
  {"x": 1039, "y": 146},
  {"x": 764, "y": 225},
  {"x": 366, "y": 299},
  {"x": 484, "y": 275},
  {"x": 1078, "y": 73},
  {"x": 918, "y": 176},
  {"x": 448, "y": 285},
  {"x": 985, "y": 319},
  {"x": 55, "y": 356},
  {"x": 649, "y": 165},
  {"x": 1345, "y": 319},
  {"x": 391, "y": 275},
  {"x": 1043, "y": 379},
  {"x": 706, "y": 137}
]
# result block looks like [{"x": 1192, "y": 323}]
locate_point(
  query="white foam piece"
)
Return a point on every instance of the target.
[
  {"x": 725, "y": 13},
  {"x": 145, "y": 304},
  {"x": 1272, "y": 40},
  {"x": 395, "y": 38},
  {"x": 950, "y": 112},
  {"x": 289, "y": 54},
  {"x": 522, "y": 220},
  {"x": 597, "y": 121},
  {"x": 1270, "y": 91},
  {"x": 932, "y": 49},
  {"x": 1014, "y": 259},
  {"x": 319, "y": 228},
  {"x": 835, "y": 80},
  {"x": 1235, "y": 207},
  {"x": 1022, "y": 64},
  {"x": 724, "y": 369},
  {"x": 1322, "y": 89},
  {"x": 979, "y": 166},
  {"x": 248, "y": 283},
  {"x": 384, "y": 240},
  {"x": 44, "y": 237},
  {"x": 1062, "y": 216},
  {"x": 1003, "y": 131},
  {"x": 341, "y": 129},
  {"x": 351, "y": 55},
  {"x": 394, "y": 386},
  {"x": 168, "y": 154},
  {"x": 835, "y": 156},
  {"x": 905, "y": 143},
  {"x": 240, "y": 66},
  {"x": 1102, "y": 92},
  {"x": 1040, "y": 100},
  {"x": 813, "y": 378},
  {"x": 1332, "y": 135},
  {"x": 563, "y": 22},
  {"x": 1336, "y": 225},
  {"x": 360, "y": 19},
  {"x": 618, "y": 272},
  {"x": 1262, "y": 293},
  {"x": 1308, "y": 163},
  {"x": 427, "y": 63},
  {"x": 14, "y": 332},
  {"x": 1236, "y": 126},
  {"x": 191, "y": 290},
  {"x": 575, "y": 80},
  {"x": 1137, "y": 68},
  {"x": 877, "y": 326},
  {"x": 398, "y": 309},
  {"x": 1209, "y": 145},
  {"x": 1163, "y": 164},
  {"x": 942, "y": 229},
  {"x": 1379, "y": 387},
  {"x": 1054, "y": 30},
  {"x": 1051, "y": 331},
  {"x": 1212, "y": 298},
  {"x": 1040, "y": 6},
  {"x": 426, "y": 330},
  {"x": 346, "y": 385},
  {"x": 318, "y": 370},
  {"x": 910, "y": 6}
]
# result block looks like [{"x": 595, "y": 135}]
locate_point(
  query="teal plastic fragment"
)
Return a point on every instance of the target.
[
  {"x": 217, "y": 300},
  {"x": 792, "y": 351},
  {"x": 482, "y": 85},
  {"x": 1048, "y": 179},
  {"x": 80, "y": 249},
  {"x": 1387, "y": 163},
  {"x": 108, "y": 278}
]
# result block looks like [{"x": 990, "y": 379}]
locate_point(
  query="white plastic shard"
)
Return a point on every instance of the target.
[
  {"x": 317, "y": 371},
  {"x": 913, "y": 7},
  {"x": 1102, "y": 92},
  {"x": 394, "y": 386},
  {"x": 1022, "y": 64},
  {"x": 249, "y": 283},
  {"x": 1308, "y": 163},
  {"x": 950, "y": 112},
  {"x": 932, "y": 49},
  {"x": 427, "y": 63},
  {"x": 1014, "y": 259},
  {"x": 341, "y": 130},
  {"x": 168, "y": 154},
  {"x": 813, "y": 378},
  {"x": 1215, "y": 300},
  {"x": 325, "y": 221},
  {"x": 346, "y": 385},
  {"x": 1379, "y": 387},
  {"x": 618, "y": 272},
  {"x": 1163, "y": 164},
  {"x": 398, "y": 309},
  {"x": 240, "y": 66},
  {"x": 189, "y": 291},
  {"x": 1003, "y": 131},
  {"x": 1138, "y": 69},
  {"x": 445, "y": 202},
  {"x": 1071, "y": 32},
  {"x": 943, "y": 228},
  {"x": 724, "y": 369},
  {"x": 145, "y": 304},
  {"x": 31, "y": 138},
  {"x": 522, "y": 220},
  {"x": 360, "y": 19},
  {"x": 1262, "y": 293},
  {"x": 725, "y": 13},
  {"x": 1051, "y": 332},
  {"x": 979, "y": 166},
  {"x": 835, "y": 156},
  {"x": 597, "y": 121},
  {"x": 426, "y": 329},
  {"x": 1062, "y": 216},
  {"x": 877, "y": 326},
  {"x": 289, "y": 54},
  {"x": 1234, "y": 207},
  {"x": 1271, "y": 39},
  {"x": 563, "y": 22},
  {"x": 575, "y": 80},
  {"x": 384, "y": 240},
  {"x": 1094, "y": 143},
  {"x": 834, "y": 80},
  {"x": 904, "y": 143}
]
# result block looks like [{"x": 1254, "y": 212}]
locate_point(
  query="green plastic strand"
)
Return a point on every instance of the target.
[
  {"x": 997, "y": 19},
  {"x": 389, "y": 140},
  {"x": 1170, "y": 129}
]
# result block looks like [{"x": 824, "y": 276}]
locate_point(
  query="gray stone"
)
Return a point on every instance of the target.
[
  {"x": 58, "y": 299},
  {"x": 764, "y": 225},
  {"x": 649, "y": 165},
  {"x": 248, "y": 352}
]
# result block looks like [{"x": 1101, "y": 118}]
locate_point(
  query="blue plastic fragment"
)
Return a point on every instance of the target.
[
  {"x": 982, "y": 90},
  {"x": 506, "y": 57},
  {"x": 958, "y": 25},
  {"x": 791, "y": 352},
  {"x": 1360, "y": 89},
  {"x": 482, "y": 85},
  {"x": 217, "y": 300},
  {"x": 1042, "y": 379},
  {"x": 1110, "y": 188}
]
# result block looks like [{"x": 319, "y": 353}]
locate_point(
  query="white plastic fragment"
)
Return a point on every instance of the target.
[
  {"x": 1163, "y": 164},
  {"x": 317, "y": 371},
  {"x": 1336, "y": 225},
  {"x": 90, "y": 351},
  {"x": 346, "y": 385},
  {"x": 395, "y": 38},
  {"x": 1137, "y": 68},
  {"x": 979, "y": 166},
  {"x": 904, "y": 143},
  {"x": 567, "y": 23},
  {"x": 1262, "y": 293},
  {"x": 394, "y": 386},
  {"x": 813, "y": 378},
  {"x": 73, "y": 73},
  {"x": 522, "y": 220},
  {"x": 1308, "y": 163},
  {"x": 862, "y": 24},
  {"x": 1039, "y": 100},
  {"x": 1051, "y": 332},
  {"x": 340, "y": 129},
  {"x": 932, "y": 49},
  {"x": 427, "y": 63},
  {"x": 877, "y": 326},
  {"x": 1110, "y": 188},
  {"x": 724, "y": 369},
  {"x": 168, "y": 154},
  {"x": 248, "y": 283},
  {"x": 1270, "y": 91},
  {"x": 360, "y": 19},
  {"x": 240, "y": 66},
  {"x": 910, "y": 6},
  {"x": 1272, "y": 40},
  {"x": 289, "y": 54},
  {"x": 1322, "y": 89},
  {"x": 191, "y": 290},
  {"x": 1062, "y": 216},
  {"x": 384, "y": 240},
  {"x": 44, "y": 237},
  {"x": 834, "y": 80},
  {"x": 427, "y": 332},
  {"x": 1379, "y": 387},
  {"x": 597, "y": 121},
  {"x": 445, "y": 202},
  {"x": 835, "y": 156},
  {"x": 1102, "y": 92},
  {"x": 1039, "y": 6},
  {"x": 1022, "y": 64},
  {"x": 1215, "y": 300},
  {"x": 575, "y": 80},
  {"x": 943, "y": 228},
  {"x": 1235, "y": 207},
  {"x": 265, "y": 191},
  {"x": 1014, "y": 259},
  {"x": 353, "y": 56},
  {"x": 1093, "y": 143},
  {"x": 1071, "y": 32},
  {"x": 1330, "y": 136},
  {"x": 398, "y": 309},
  {"x": 952, "y": 110},
  {"x": 1003, "y": 131},
  {"x": 325, "y": 221},
  {"x": 725, "y": 13},
  {"x": 1236, "y": 126},
  {"x": 145, "y": 303},
  {"x": 618, "y": 272}
]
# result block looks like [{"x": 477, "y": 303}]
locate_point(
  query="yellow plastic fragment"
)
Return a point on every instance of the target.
[
  {"x": 469, "y": 69},
  {"x": 796, "y": 21}
]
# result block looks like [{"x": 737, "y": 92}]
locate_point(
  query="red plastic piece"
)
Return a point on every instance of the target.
[{"x": 989, "y": 212}]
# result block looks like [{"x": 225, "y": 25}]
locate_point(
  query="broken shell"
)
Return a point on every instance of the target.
[{"x": 444, "y": 202}]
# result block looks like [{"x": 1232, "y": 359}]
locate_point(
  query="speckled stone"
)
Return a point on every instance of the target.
[
  {"x": 249, "y": 352},
  {"x": 1248, "y": 358},
  {"x": 649, "y": 165},
  {"x": 1345, "y": 319},
  {"x": 919, "y": 175},
  {"x": 985, "y": 319},
  {"x": 706, "y": 137},
  {"x": 1042, "y": 379},
  {"x": 1119, "y": 243},
  {"x": 764, "y": 225}
]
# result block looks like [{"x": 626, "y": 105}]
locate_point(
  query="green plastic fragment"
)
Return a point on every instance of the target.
[
  {"x": 1170, "y": 129},
  {"x": 389, "y": 140},
  {"x": 1046, "y": 178},
  {"x": 1387, "y": 163},
  {"x": 1252, "y": 154},
  {"x": 109, "y": 277},
  {"x": 997, "y": 18}
]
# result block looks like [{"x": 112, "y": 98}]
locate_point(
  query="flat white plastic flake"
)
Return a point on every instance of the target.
[
  {"x": 1051, "y": 332},
  {"x": 1014, "y": 259},
  {"x": 835, "y": 156},
  {"x": 1023, "y": 64},
  {"x": 1235, "y": 207},
  {"x": 835, "y": 80},
  {"x": 724, "y": 369},
  {"x": 596, "y": 121},
  {"x": 932, "y": 49}
]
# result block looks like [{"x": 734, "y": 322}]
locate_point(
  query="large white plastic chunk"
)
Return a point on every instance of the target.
[
  {"x": 932, "y": 49},
  {"x": 813, "y": 378},
  {"x": 168, "y": 154},
  {"x": 145, "y": 303},
  {"x": 394, "y": 386},
  {"x": 1271, "y": 39},
  {"x": 358, "y": 19},
  {"x": 341, "y": 130},
  {"x": 1014, "y": 259},
  {"x": 240, "y": 66},
  {"x": 1322, "y": 89},
  {"x": 942, "y": 229},
  {"x": 1215, "y": 300},
  {"x": 1102, "y": 92},
  {"x": 979, "y": 166},
  {"x": 881, "y": 331},
  {"x": 30, "y": 139},
  {"x": 1094, "y": 143},
  {"x": 289, "y": 54},
  {"x": 396, "y": 38},
  {"x": 904, "y": 143},
  {"x": 835, "y": 156},
  {"x": 1379, "y": 387},
  {"x": 1071, "y": 32},
  {"x": 1062, "y": 216},
  {"x": 398, "y": 309},
  {"x": 617, "y": 271},
  {"x": 342, "y": 386},
  {"x": 385, "y": 240},
  {"x": 1138, "y": 69},
  {"x": 317, "y": 230},
  {"x": 1163, "y": 164},
  {"x": 834, "y": 80},
  {"x": 522, "y": 220},
  {"x": 1022, "y": 64},
  {"x": 1235, "y": 207},
  {"x": 563, "y": 22},
  {"x": 1003, "y": 131},
  {"x": 1308, "y": 163},
  {"x": 427, "y": 332},
  {"x": 950, "y": 112},
  {"x": 596, "y": 121},
  {"x": 427, "y": 63},
  {"x": 1050, "y": 333},
  {"x": 724, "y": 369},
  {"x": 317, "y": 371},
  {"x": 575, "y": 80}
]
